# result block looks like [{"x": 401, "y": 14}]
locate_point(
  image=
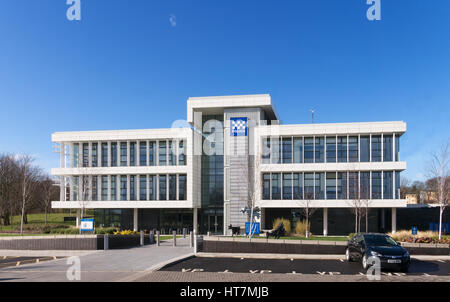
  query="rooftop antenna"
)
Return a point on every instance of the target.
[{"x": 312, "y": 112}]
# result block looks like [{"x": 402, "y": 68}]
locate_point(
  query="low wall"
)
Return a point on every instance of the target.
[
  {"x": 70, "y": 242},
  {"x": 320, "y": 247}
]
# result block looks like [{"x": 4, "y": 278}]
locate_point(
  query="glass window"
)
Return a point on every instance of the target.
[
  {"x": 94, "y": 188},
  {"x": 298, "y": 185},
  {"x": 376, "y": 148},
  {"x": 353, "y": 155},
  {"x": 365, "y": 148},
  {"x": 85, "y": 155},
  {"x": 113, "y": 154},
  {"x": 376, "y": 185},
  {"x": 388, "y": 185},
  {"x": 162, "y": 153},
  {"x": 143, "y": 187},
  {"x": 104, "y": 188},
  {"x": 123, "y": 154},
  {"x": 298, "y": 150},
  {"x": 353, "y": 183},
  {"x": 276, "y": 150},
  {"x": 287, "y": 150},
  {"x": 266, "y": 186},
  {"x": 182, "y": 183},
  {"x": 331, "y": 149},
  {"x": 397, "y": 184},
  {"x": 287, "y": 186},
  {"x": 342, "y": 185},
  {"x": 75, "y": 188},
  {"x": 94, "y": 155},
  {"x": 132, "y": 187},
  {"x": 266, "y": 151},
  {"x": 152, "y": 153},
  {"x": 331, "y": 185},
  {"x": 309, "y": 186},
  {"x": 276, "y": 186},
  {"x": 364, "y": 185},
  {"x": 104, "y": 154},
  {"x": 182, "y": 153},
  {"x": 319, "y": 185},
  {"x": 309, "y": 150},
  {"x": 123, "y": 187},
  {"x": 152, "y": 187},
  {"x": 319, "y": 149},
  {"x": 397, "y": 148},
  {"x": 132, "y": 154},
  {"x": 162, "y": 187},
  {"x": 172, "y": 154},
  {"x": 143, "y": 154},
  {"x": 113, "y": 187},
  {"x": 172, "y": 187},
  {"x": 76, "y": 152},
  {"x": 342, "y": 149},
  {"x": 387, "y": 147}
]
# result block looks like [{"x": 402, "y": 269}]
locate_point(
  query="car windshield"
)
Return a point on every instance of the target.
[{"x": 376, "y": 240}]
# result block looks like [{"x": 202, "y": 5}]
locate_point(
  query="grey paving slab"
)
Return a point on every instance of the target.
[{"x": 110, "y": 265}]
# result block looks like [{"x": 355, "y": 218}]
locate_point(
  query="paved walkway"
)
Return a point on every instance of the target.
[{"x": 111, "y": 265}]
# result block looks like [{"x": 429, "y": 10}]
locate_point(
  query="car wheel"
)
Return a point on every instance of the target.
[
  {"x": 365, "y": 264},
  {"x": 347, "y": 256}
]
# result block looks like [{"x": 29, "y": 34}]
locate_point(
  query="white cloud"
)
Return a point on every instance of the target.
[{"x": 173, "y": 20}]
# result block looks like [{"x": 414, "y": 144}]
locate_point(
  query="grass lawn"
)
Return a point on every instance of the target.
[{"x": 39, "y": 219}]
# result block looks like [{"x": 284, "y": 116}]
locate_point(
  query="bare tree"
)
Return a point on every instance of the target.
[
  {"x": 354, "y": 200},
  {"x": 29, "y": 175},
  {"x": 439, "y": 171},
  {"x": 405, "y": 184},
  {"x": 364, "y": 196},
  {"x": 48, "y": 191},
  {"x": 307, "y": 210},
  {"x": 9, "y": 179}
]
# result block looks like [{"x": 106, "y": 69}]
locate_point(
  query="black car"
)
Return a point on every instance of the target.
[{"x": 391, "y": 254}]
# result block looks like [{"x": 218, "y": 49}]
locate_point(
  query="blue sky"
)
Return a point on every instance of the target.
[{"x": 125, "y": 65}]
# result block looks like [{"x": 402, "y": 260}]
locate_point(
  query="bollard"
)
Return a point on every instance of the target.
[
  {"x": 106, "y": 242},
  {"x": 195, "y": 243},
  {"x": 158, "y": 242},
  {"x": 209, "y": 234},
  {"x": 142, "y": 238},
  {"x": 151, "y": 237},
  {"x": 191, "y": 240},
  {"x": 174, "y": 238},
  {"x": 184, "y": 232}
]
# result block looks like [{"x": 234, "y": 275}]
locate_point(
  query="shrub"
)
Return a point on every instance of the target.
[
  {"x": 102, "y": 231},
  {"x": 421, "y": 237},
  {"x": 300, "y": 228},
  {"x": 125, "y": 232},
  {"x": 286, "y": 224},
  {"x": 350, "y": 236}
]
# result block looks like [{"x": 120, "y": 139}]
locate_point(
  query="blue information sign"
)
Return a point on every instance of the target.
[
  {"x": 255, "y": 228},
  {"x": 238, "y": 126},
  {"x": 414, "y": 230},
  {"x": 87, "y": 225}
]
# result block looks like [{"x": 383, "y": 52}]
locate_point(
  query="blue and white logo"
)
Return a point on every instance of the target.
[
  {"x": 238, "y": 126},
  {"x": 87, "y": 225}
]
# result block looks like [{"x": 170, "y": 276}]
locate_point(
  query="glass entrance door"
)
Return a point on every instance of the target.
[{"x": 215, "y": 224}]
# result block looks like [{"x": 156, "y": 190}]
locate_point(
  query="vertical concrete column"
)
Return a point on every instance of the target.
[
  {"x": 135, "y": 220},
  {"x": 195, "y": 222},
  {"x": 105, "y": 242},
  {"x": 128, "y": 187},
  {"x": 137, "y": 153},
  {"x": 394, "y": 220},
  {"x": 99, "y": 154},
  {"x": 78, "y": 218},
  {"x": 62, "y": 185},
  {"x": 109, "y": 154},
  {"x": 325, "y": 221}
]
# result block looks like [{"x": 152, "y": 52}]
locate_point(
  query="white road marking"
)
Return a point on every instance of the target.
[
  {"x": 18, "y": 263},
  {"x": 441, "y": 261}
]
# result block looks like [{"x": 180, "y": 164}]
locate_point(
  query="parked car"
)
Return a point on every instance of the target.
[{"x": 365, "y": 245}]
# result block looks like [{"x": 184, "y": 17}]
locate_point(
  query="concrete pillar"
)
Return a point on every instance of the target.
[
  {"x": 135, "y": 220},
  {"x": 105, "y": 242},
  {"x": 325, "y": 221},
  {"x": 394, "y": 220},
  {"x": 78, "y": 218},
  {"x": 195, "y": 222},
  {"x": 142, "y": 238}
]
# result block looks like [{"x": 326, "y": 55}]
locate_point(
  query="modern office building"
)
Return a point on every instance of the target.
[{"x": 233, "y": 152}]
